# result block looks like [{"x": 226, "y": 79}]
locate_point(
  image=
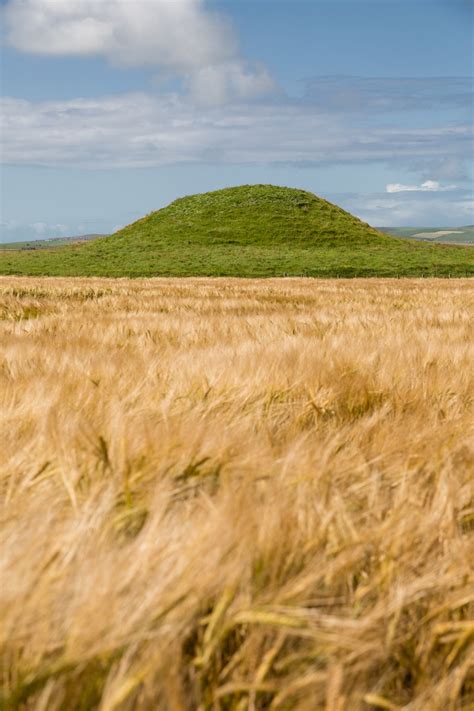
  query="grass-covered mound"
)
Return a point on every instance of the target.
[{"x": 251, "y": 231}]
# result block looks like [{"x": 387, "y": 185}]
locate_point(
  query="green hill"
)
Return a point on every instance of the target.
[{"x": 251, "y": 231}]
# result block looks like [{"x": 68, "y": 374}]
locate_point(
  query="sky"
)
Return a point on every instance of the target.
[{"x": 113, "y": 108}]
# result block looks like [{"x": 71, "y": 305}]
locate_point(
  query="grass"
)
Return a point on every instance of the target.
[
  {"x": 235, "y": 494},
  {"x": 250, "y": 231}
]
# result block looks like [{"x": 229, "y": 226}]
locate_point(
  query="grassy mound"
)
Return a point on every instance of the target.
[{"x": 251, "y": 231}]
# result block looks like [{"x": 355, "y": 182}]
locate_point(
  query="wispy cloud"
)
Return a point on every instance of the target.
[
  {"x": 429, "y": 186},
  {"x": 145, "y": 130},
  {"x": 388, "y": 94},
  {"x": 454, "y": 167}
]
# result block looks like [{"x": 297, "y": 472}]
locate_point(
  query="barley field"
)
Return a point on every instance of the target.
[{"x": 236, "y": 494}]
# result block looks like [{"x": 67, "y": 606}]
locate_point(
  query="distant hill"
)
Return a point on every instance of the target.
[
  {"x": 443, "y": 235},
  {"x": 249, "y": 231},
  {"x": 49, "y": 242}
]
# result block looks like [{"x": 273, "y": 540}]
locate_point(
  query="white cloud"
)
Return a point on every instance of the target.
[
  {"x": 429, "y": 186},
  {"x": 424, "y": 209},
  {"x": 175, "y": 33},
  {"x": 179, "y": 36},
  {"x": 45, "y": 229},
  {"x": 146, "y": 130},
  {"x": 218, "y": 84}
]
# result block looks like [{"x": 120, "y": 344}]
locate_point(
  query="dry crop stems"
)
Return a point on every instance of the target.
[{"x": 236, "y": 494}]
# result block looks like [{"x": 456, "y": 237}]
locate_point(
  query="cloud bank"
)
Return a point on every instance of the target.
[{"x": 145, "y": 130}]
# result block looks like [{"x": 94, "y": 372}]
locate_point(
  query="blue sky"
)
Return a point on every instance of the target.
[{"x": 112, "y": 108}]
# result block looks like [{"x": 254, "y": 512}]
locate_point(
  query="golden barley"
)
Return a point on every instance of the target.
[{"x": 237, "y": 494}]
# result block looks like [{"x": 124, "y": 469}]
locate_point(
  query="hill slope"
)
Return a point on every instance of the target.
[{"x": 249, "y": 231}]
